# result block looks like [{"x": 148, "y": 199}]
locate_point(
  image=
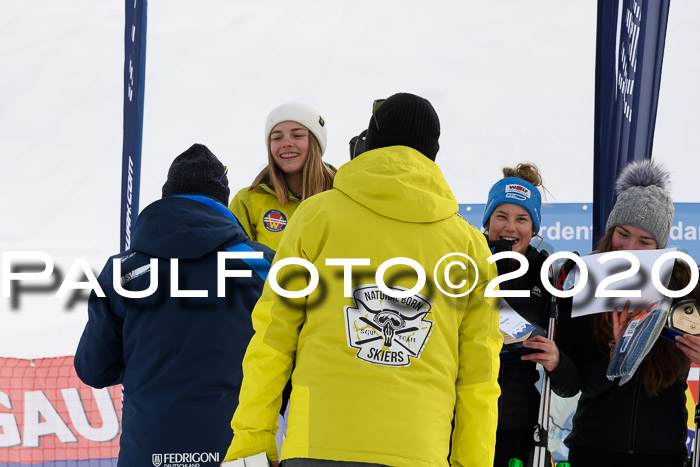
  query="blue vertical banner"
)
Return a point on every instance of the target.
[
  {"x": 134, "y": 82},
  {"x": 629, "y": 54}
]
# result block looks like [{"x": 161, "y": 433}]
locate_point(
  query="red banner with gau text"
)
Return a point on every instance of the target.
[{"x": 48, "y": 416}]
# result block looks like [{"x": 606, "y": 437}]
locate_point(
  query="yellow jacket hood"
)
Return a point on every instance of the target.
[{"x": 398, "y": 182}]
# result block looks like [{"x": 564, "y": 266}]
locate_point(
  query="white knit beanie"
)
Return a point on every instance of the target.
[{"x": 300, "y": 113}]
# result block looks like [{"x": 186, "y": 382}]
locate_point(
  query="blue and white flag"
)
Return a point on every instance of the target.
[
  {"x": 134, "y": 81},
  {"x": 629, "y": 54}
]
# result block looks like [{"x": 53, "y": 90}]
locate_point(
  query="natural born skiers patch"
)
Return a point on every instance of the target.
[
  {"x": 274, "y": 220},
  {"x": 387, "y": 331}
]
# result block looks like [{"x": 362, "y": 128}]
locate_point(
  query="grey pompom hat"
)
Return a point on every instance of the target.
[{"x": 643, "y": 200}]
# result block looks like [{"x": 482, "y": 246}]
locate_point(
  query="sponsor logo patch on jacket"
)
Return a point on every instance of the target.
[
  {"x": 387, "y": 331},
  {"x": 178, "y": 459},
  {"x": 536, "y": 291},
  {"x": 274, "y": 220}
]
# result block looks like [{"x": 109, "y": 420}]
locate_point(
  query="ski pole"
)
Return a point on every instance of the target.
[
  {"x": 696, "y": 458},
  {"x": 541, "y": 432}
]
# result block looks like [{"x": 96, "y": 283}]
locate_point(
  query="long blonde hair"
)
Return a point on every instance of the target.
[{"x": 316, "y": 175}]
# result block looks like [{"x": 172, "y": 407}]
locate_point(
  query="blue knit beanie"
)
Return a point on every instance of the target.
[{"x": 515, "y": 191}]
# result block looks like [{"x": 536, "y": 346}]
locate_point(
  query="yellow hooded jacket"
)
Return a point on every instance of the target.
[
  {"x": 261, "y": 215},
  {"x": 376, "y": 379}
]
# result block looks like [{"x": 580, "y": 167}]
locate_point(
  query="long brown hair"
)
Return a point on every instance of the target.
[
  {"x": 664, "y": 364},
  {"x": 316, "y": 175}
]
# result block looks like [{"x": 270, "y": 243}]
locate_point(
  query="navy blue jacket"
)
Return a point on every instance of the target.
[{"x": 178, "y": 358}]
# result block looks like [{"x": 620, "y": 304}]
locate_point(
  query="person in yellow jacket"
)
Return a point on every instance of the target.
[
  {"x": 295, "y": 137},
  {"x": 381, "y": 361}
]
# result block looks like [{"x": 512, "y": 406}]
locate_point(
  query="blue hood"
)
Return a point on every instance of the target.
[{"x": 185, "y": 227}]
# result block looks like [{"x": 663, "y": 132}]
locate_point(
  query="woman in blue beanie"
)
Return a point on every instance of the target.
[{"x": 511, "y": 219}]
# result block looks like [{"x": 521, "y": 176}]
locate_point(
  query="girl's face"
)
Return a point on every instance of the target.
[
  {"x": 289, "y": 145},
  {"x": 511, "y": 222},
  {"x": 629, "y": 237}
]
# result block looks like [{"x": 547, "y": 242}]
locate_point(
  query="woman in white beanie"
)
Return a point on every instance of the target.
[
  {"x": 295, "y": 137},
  {"x": 644, "y": 421}
]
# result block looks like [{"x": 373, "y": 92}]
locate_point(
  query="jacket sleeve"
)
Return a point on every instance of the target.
[
  {"x": 582, "y": 366},
  {"x": 480, "y": 341},
  {"x": 267, "y": 364},
  {"x": 240, "y": 207},
  {"x": 593, "y": 379},
  {"x": 565, "y": 379},
  {"x": 569, "y": 377},
  {"x": 99, "y": 360}
]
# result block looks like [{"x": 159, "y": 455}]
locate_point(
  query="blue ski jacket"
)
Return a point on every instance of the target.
[{"x": 178, "y": 357}]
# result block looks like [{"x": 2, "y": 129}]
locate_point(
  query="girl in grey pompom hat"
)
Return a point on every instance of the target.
[
  {"x": 643, "y": 202},
  {"x": 644, "y": 421}
]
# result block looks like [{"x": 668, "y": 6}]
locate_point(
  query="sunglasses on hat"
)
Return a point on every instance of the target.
[
  {"x": 375, "y": 105},
  {"x": 357, "y": 143}
]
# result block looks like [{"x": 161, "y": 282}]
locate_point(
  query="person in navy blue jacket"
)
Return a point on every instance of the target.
[{"x": 178, "y": 351}]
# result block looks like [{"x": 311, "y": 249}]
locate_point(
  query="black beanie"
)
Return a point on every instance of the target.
[
  {"x": 197, "y": 171},
  {"x": 406, "y": 120}
]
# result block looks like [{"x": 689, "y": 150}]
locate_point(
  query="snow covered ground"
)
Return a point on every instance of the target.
[{"x": 511, "y": 80}]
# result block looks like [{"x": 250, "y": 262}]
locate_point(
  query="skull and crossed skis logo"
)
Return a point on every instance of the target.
[{"x": 386, "y": 330}]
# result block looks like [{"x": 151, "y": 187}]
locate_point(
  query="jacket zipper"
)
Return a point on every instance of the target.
[
  {"x": 500, "y": 399},
  {"x": 633, "y": 424}
]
